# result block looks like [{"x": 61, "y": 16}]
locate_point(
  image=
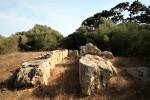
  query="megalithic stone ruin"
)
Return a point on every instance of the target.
[{"x": 95, "y": 69}]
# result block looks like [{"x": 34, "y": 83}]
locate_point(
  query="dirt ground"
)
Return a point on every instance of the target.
[{"x": 64, "y": 81}]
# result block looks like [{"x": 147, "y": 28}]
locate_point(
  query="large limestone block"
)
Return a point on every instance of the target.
[
  {"x": 37, "y": 72},
  {"x": 89, "y": 49},
  {"x": 33, "y": 73},
  {"x": 94, "y": 73}
]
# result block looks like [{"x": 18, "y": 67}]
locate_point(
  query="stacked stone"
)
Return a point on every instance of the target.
[
  {"x": 37, "y": 72},
  {"x": 95, "y": 69}
]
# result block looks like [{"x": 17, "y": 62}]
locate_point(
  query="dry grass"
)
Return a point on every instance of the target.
[
  {"x": 64, "y": 81},
  {"x": 9, "y": 62},
  {"x": 121, "y": 62}
]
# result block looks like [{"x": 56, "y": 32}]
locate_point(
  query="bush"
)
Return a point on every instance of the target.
[
  {"x": 73, "y": 41},
  {"x": 144, "y": 46},
  {"x": 8, "y": 45},
  {"x": 42, "y": 38},
  {"x": 128, "y": 39},
  {"x": 124, "y": 38},
  {"x": 39, "y": 38}
]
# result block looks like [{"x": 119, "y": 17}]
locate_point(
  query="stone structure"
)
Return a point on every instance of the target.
[
  {"x": 38, "y": 71},
  {"x": 94, "y": 73},
  {"x": 45, "y": 56},
  {"x": 107, "y": 54},
  {"x": 89, "y": 49},
  {"x": 73, "y": 53}
]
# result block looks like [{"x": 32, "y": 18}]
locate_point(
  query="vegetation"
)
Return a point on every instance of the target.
[
  {"x": 110, "y": 30},
  {"x": 8, "y": 44},
  {"x": 122, "y": 12},
  {"x": 39, "y": 38}
]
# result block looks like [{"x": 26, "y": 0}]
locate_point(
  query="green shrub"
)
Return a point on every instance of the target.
[
  {"x": 122, "y": 39},
  {"x": 8, "y": 45},
  {"x": 73, "y": 41},
  {"x": 144, "y": 47},
  {"x": 39, "y": 38},
  {"x": 42, "y": 38}
]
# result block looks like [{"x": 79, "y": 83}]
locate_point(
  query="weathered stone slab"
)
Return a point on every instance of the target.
[
  {"x": 94, "y": 73},
  {"x": 37, "y": 72},
  {"x": 33, "y": 73}
]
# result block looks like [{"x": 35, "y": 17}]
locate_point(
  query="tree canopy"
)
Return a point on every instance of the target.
[
  {"x": 112, "y": 30},
  {"x": 39, "y": 38}
]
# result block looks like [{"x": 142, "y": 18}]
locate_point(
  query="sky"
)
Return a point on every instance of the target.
[{"x": 62, "y": 15}]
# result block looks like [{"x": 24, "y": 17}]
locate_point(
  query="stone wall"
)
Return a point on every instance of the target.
[
  {"x": 95, "y": 69},
  {"x": 73, "y": 53},
  {"x": 38, "y": 71}
]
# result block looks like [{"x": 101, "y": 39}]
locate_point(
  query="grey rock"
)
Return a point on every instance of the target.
[
  {"x": 107, "y": 54},
  {"x": 37, "y": 72},
  {"x": 89, "y": 49},
  {"x": 94, "y": 73}
]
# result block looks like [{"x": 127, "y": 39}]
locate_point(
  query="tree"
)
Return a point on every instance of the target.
[
  {"x": 73, "y": 41},
  {"x": 117, "y": 12},
  {"x": 39, "y": 38},
  {"x": 135, "y": 8}
]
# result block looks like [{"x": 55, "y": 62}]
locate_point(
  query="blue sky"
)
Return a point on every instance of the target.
[{"x": 63, "y": 15}]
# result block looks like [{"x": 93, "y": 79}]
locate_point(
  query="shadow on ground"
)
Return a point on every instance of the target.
[{"x": 64, "y": 81}]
